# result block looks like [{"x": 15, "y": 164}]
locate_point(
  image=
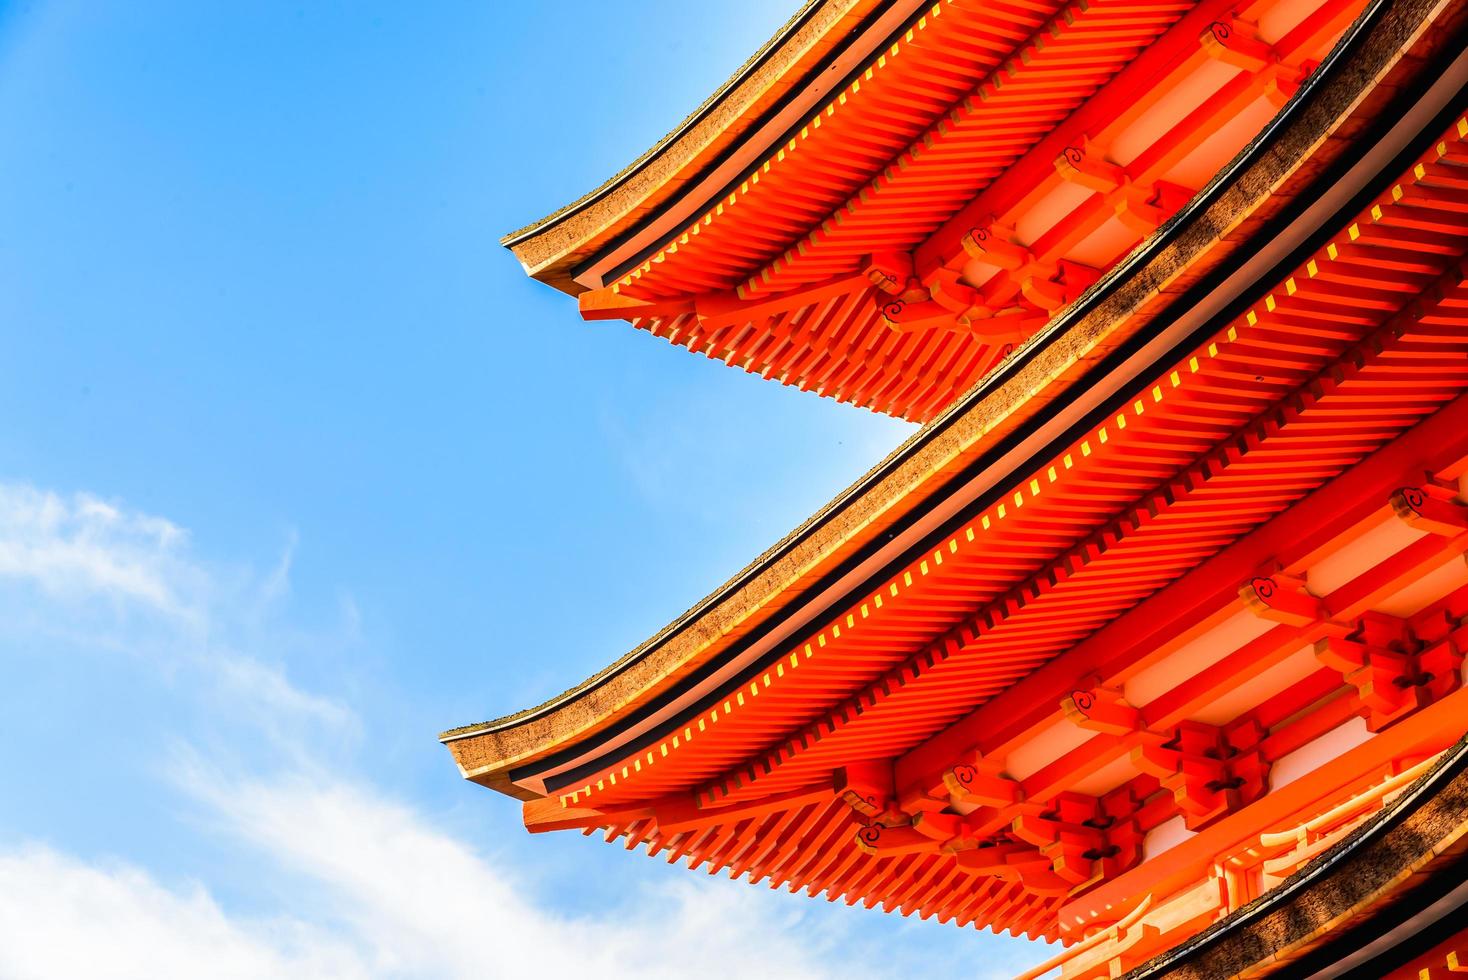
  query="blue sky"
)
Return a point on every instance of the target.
[{"x": 297, "y": 469}]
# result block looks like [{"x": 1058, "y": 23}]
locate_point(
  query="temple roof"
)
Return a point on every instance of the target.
[
  {"x": 889, "y": 240},
  {"x": 1202, "y": 408},
  {"x": 974, "y": 433},
  {"x": 776, "y": 81}
]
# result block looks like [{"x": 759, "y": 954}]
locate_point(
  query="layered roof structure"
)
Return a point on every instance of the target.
[
  {"x": 971, "y": 174},
  {"x": 1168, "y": 598}
]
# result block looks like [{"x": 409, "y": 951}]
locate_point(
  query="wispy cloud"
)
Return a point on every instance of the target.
[
  {"x": 117, "y": 578},
  {"x": 371, "y": 885},
  {"x": 81, "y": 547},
  {"x": 394, "y": 898},
  {"x": 62, "y": 917},
  {"x": 417, "y": 902}
]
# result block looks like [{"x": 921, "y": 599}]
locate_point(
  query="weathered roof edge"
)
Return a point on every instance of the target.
[
  {"x": 551, "y": 248},
  {"x": 677, "y": 131},
  {"x": 995, "y": 406}
]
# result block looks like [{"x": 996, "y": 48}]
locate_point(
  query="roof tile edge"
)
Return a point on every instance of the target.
[{"x": 548, "y": 248}]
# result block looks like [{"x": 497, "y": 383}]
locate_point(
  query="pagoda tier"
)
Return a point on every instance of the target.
[
  {"x": 1166, "y": 614},
  {"x": 1292, "y": 504},
  {"x": 973, "y": 177}
]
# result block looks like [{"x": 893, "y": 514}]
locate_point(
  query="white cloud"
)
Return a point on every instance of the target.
[
  {"x": 60, "y": 917},
  {"x": 382, "y": 895},
  {"x": 80, "y": 546},
  {"x": 367, "y": 886},
  {"x": 101, "y": 565},
  {"x": 421, "y": 903}
]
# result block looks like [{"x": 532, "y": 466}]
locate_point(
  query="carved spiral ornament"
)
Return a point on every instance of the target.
[
  {"x": 893, "y": 309},
  {"x": 1084, "y": 701},
  {"x": 964, "y": 774},
  {"x": 1264, "y": 588},
  {"x": 1075, "y": 155},
  {"x": 1221, "y": 31},
  {"x": 1413, "y": 497},
  {"x": 870, "y": 835}
]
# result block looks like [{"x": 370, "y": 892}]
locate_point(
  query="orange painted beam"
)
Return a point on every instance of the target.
[
  {"x": 1197, "y": 601},
  {"x": 1430, "y": 730}
]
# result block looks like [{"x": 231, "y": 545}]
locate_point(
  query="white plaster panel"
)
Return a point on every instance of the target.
[{"x": 1320, "y": 752}]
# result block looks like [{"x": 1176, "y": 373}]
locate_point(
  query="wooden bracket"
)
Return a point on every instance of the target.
[
  {"x": 1101, "y": 709},
  {"x": 1283, "y": 599},
  {"x": 1088, "y": 167},
  {"x": 1086, "y": 838},
  {"x": 867, "y": 788},
  {"x": 1431, "y": 508},
  {"x": 1145, "y": 207},
  {"x": 1236, "y": 42},
  {"x": 1052, "y": 287},
  {"x": 1211, "y": 771},
  {"x": 981, "y": 783},
  {"x": 883, "y": 841},
  {"x": 1015, "y": 861},
  {"x": 891, "y": 272},
  {"x": 1395, "y": 671},
  {"x": 996, "y": 246}
]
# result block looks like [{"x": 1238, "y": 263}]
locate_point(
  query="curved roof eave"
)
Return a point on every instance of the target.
[
  {"x": 550, "y": 249},
  {"x": 1285, "y": 158}
]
